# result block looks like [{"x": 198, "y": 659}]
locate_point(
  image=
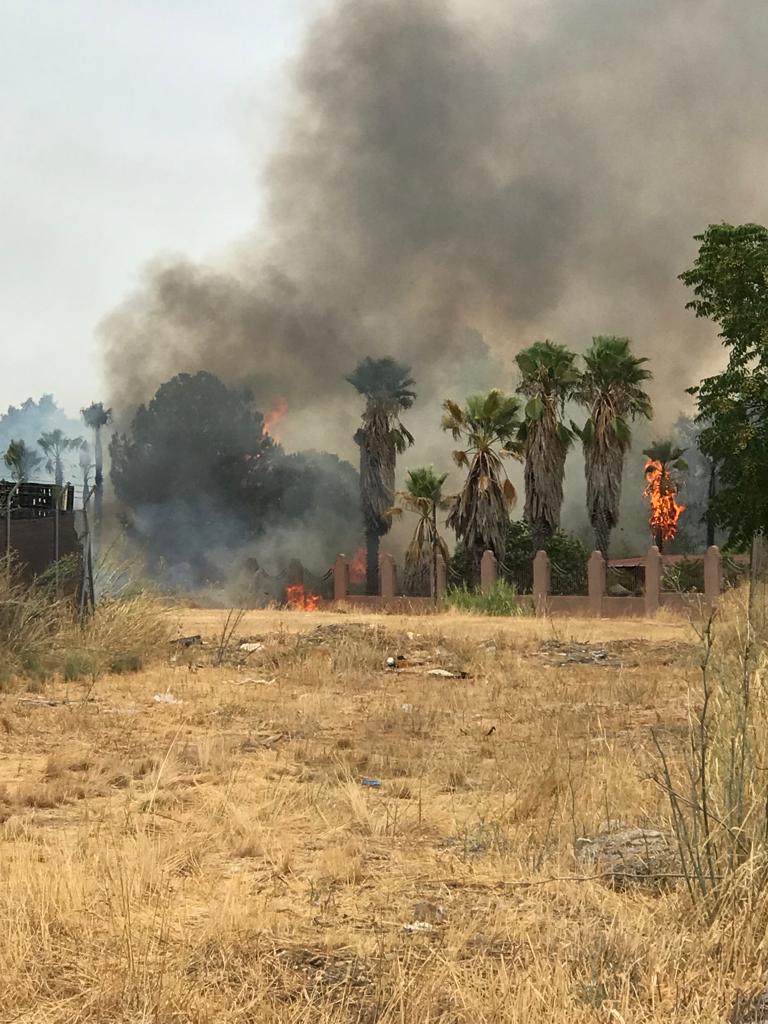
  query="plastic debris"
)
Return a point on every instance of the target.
[
  {"x": 166, "y": 698},
  {"x": 249, "y": 648},
  {"x": 371, "y": 783}
]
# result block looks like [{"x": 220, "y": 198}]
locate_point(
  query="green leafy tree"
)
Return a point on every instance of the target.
[
  {"x": 423, "y": 495},
  {"x": 729, "y": 279},
  {"x": 611, "y": 388},
  {"x": 488, "y": 427},
  {"x": 387, "y": 387},
  {"x": 548, "y": 379},
  {"x": 21, "y": 461},
  {"x": 55, "y": 445}
]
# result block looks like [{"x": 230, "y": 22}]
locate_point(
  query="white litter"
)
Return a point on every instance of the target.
[
  {"x": 406, "y": 708},
  {"x": 418, "y": 926},
  {"x": 250, "y": 648},
  {"x": 166, "y": 698},
  {"x": 443, "y": 673}
]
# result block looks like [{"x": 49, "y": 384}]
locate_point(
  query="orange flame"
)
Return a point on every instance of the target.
[
  {"x": 300, "y": 600},
  {"x": 358, "y": 567},
  {"x": 661, "y": 492},
  {"x": 273, "y": 417}
]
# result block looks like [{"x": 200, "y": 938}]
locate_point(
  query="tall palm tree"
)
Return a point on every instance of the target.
[
  {"x": 488, "y": 427},
  {"x": 387, "y": 387},
  {"x": 96, "y": 417},
  {"x": 611, "y": 388},
  {"x": 55, "y": 445},
  {"x": 548, "y": 379},
  {"x": 21, "y": 461},
  {"x": 423, "y": 495},
  {"x": 665, "y": 464}
]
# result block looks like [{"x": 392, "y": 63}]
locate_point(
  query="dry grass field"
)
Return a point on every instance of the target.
[{"x": 219, "y": 855}]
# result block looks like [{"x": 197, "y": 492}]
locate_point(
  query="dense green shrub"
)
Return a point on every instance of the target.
[{"x": 501, "y": 599}]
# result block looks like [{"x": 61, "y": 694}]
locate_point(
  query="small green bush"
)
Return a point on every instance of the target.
[
  {"x": 78, "y": 665},
  {"x": 501, "y": 599},
  {"x": 126, "y": 661}
]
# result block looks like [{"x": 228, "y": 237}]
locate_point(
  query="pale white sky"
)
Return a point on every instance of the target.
[{"x": 128, "y": 128}]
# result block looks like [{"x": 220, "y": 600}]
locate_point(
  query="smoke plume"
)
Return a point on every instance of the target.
[{"x": 451, "y": 177}]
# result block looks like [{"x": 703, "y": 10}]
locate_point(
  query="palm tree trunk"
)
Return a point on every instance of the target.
[
  {"x": 372, "y": 541},
  {"x": 540, "y": 535},
  {"x": 602, "y": 530},
  {"x": 99, "y": 490}
]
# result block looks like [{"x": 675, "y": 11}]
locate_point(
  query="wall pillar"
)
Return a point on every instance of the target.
[
  {"x": 542, "y": 581},
  {"x": 653, "y": 565},
  {"x": 713, "y": 574},
  {"x": 488, "y": 570},
  {"x": 596, "y": 583},
  {"x": 340, "y": 578},
  {"x": 387, "y": 577}
]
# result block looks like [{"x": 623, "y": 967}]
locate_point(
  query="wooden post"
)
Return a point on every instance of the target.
[
  {"x": 542, "y": 581},
  {"x": 713, "y": 574},
  {"x": 340, "y": 578},
  {"x": 387, "y": 577},
  {"x": 652, "y": 580},
  {"x": 596, "y": 583},
  {"x": 442, "y": 577},
  {"x": 488, "y": 570}
]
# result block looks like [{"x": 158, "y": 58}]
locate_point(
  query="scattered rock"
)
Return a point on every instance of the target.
[
  {"x": 627, "y": 855},
  {"x": 443, "y": 673},
  {"x": 428, "y": 913},
  {"x": 166, "y": 698},
  {"x": 188, "y": 641},
  {"x": 418, "y": 926}
]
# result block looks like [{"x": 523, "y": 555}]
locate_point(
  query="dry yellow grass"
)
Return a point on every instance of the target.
[{"x": 218, "y": 859}]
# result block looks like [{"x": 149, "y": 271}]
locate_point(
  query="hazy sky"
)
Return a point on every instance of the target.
[{"x": 128, "y": 128}]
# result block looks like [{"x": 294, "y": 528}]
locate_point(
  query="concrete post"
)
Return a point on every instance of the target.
[
  {"x": 387, "y": 577},
  {"x": 596, "y": 583},
  {"x": 652, "y": 580},
  {"x": 713, "y": 574},
  {"x": 542, "y": 581},
  {"x": 340, "y": 578},
  {"x": 442, "y": 577},
  {"x": 488, "y": 570}
]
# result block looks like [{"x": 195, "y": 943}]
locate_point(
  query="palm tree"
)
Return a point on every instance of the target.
[
  {"x": 665, "y": 463},
  {"x": 21, "y": 461},
  {"x": 55, "y": 445},
  {"x": 488, "y": 427},
  {"x": 387, "y": 387},
  {"x": 548, "y": 379},
  {"x": 423, "y": 495},
  {"x": 611, "y": 389},
  {"x": 96, "y": 417}
]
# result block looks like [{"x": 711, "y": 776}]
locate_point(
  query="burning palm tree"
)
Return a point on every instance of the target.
[
  {"x": 611, "y": 389},
  {"x": 55, "y": 445},
  {"x": 387, "y": 387},
  {"x": 21, "y": 461},
  {"x": 548, "y": 379},
  {"x": 423, "y": 495},
  {"x": 665, "y": 462},
  {"x": 488, "y": 427}
]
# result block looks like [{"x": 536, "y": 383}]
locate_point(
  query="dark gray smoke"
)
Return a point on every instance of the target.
[{"x": 520, "y": 171}]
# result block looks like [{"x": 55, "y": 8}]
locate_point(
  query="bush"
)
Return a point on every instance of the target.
[{"x": 501, "y": 599}]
